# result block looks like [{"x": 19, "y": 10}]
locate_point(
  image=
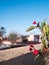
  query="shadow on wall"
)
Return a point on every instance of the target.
[{"x": 26, "y": 59}]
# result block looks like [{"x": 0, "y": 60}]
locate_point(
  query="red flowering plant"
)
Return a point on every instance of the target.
[
  {"x": 33, "y": 50},
  {"x": 44, "y": 27},
  {"x": 34, "y": 22},
  {"x": 36, "y": 52}
]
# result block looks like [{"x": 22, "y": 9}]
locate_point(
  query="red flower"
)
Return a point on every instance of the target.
[
  {"x": 45, "y": 50},
  {"x": 31, "y": 45},
  {"x": 30, "y": 49},
  {"x": 35, "y": 52},
  {"x": 34, "y": 22}
]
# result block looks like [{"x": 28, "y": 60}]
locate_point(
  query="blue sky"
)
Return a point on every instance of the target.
[{"x": 18, "y": 15}]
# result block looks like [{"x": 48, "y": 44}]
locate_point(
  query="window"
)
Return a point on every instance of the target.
[{"x": 36, "y": 38}]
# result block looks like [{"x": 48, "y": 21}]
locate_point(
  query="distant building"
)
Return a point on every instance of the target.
[
  {"x": 35, "y": 36},
  {"x": 6, "y": 42},
  {"x": 22, "y": 39}
]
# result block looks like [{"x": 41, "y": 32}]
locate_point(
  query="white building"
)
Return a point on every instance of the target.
[{"x": 35, "y": 36}]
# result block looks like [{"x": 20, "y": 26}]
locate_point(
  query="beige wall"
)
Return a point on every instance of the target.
[
  {"x": 19, "y": 40},
  {"x": 6, "y": 42},
  {"x": 30, "y": 38}
]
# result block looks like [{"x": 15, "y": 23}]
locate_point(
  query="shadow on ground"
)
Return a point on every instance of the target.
[{"x": 25, "y": 59}]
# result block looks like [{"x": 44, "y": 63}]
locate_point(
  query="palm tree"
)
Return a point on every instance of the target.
[{"x": 2, "y": 31}]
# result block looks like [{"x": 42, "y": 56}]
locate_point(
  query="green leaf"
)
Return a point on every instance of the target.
[
  {"x": 36, "y": 57},
  {"x": 30, "y": 28}
]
